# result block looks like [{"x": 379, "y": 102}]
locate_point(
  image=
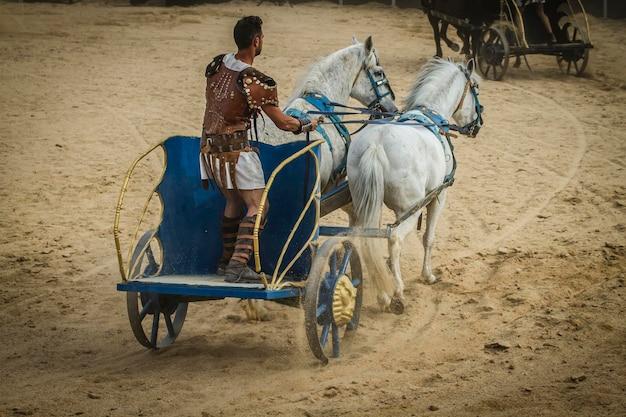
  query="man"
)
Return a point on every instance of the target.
[
  {"x": 538, "y": 4},
  {"x": 235, "y": 94}
]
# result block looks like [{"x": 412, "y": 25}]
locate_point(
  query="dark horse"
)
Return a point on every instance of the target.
[{"x": 469, "y": 17}]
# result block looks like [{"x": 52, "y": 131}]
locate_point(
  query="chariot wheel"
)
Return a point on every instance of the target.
[
  {"x": 333, "y": 297},
  {"x": 145, "y": 310},
  {"x": 573, "y": 61},
  {"x": 493, "y": 53}
]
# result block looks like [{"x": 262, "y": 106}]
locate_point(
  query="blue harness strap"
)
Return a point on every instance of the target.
[
  {"x": 324, "y": 105},
  {"x": 434, "y": 122},
  {"x": 304, "y": 116}
]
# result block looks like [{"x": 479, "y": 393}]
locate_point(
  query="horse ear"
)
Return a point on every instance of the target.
[
  {"x": 471, "y": 64},
  {"x": 354, "y": 40},
  {"x": 369, "y": 45}
]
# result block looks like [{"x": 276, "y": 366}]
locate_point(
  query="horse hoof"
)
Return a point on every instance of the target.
[
  {"x": 431, "y": 279},
  {"x": 454, "y": 47},
  {"x": 396, "y": 306},
  {"x": 384, "y": 302},
  {"x": 256, "y": 311}
]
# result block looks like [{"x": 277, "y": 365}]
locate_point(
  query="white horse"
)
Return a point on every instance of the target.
[
  {"x": 399, "y": 164},
  {"x": 350, "y": 72}
]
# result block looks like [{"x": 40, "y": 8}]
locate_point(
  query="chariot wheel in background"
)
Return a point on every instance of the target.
[
  {"x": 493, "y": 53},
  {"x": 573, "y": 61}
]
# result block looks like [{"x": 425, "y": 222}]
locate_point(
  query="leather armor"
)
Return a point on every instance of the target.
[{"x": 233, "y": 99}]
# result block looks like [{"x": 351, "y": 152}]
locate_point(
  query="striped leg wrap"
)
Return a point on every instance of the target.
[
  {"x": 230, "y": 227},
  {"x": 243, "y": 246}
]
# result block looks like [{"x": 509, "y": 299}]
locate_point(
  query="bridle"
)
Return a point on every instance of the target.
[
  {"x": 376, "y": 86},
  {"x": 375, "y": 110},
  {"x": 472, "y": 128}
]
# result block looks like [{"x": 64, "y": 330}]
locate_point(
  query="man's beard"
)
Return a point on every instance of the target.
[{"x": 258, "y": 51}]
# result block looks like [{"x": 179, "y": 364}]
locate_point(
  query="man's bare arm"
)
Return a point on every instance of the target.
[{"x": 284, "y": 121}]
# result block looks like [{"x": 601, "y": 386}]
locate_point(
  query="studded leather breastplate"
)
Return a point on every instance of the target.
[
  {"x": 227, "y": 109},
  {"x": 233, "y": 97}
]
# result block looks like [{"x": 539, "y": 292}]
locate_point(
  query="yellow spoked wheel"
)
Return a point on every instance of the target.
[{"x": 333, "y": 297}]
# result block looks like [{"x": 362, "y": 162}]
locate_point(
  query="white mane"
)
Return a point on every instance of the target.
[
  {"x": 329, "y": 67},
  {"x": 437, "y": 78}
]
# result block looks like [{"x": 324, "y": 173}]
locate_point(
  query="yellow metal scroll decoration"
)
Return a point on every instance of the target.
[
  {"x": 118, "y": 210},
  {"x": 315, "y": 197},
  {"x": 276, "y": 282}
]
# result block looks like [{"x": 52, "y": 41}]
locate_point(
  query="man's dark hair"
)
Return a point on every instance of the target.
[{"x": 246, "y": 29}]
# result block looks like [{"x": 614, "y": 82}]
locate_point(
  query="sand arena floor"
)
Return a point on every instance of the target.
[{"x": 530, "y": 248}]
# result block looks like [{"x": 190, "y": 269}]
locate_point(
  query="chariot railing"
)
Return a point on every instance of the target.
[
  {"x": 124, "y": 271},
  {"x": 314, "y": 198}
]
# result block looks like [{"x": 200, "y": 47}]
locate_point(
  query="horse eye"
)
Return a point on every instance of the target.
[{"x": 378, "y": 73}]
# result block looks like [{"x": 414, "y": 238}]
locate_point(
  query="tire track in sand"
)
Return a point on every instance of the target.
[{"x": 511, "y": 229}]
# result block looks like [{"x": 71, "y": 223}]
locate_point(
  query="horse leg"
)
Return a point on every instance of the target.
[
  {"x": 395, "y": 249},
  {"x": 444, "y": 36},
  {"x": 466, "y": 42},
  {"x": 473, "y": 38},
  {"x": 434, "y": 211},
  {"x": 434, "y": 22},
  {"x": 255, "y": 310}
]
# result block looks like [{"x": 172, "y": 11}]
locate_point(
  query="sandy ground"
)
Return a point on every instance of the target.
[{"x": 530, "y": 248}]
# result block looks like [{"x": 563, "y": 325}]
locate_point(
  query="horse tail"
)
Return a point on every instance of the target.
[
  {"x": 368, "y": 188},
  {"x": 368, "y": 192}
]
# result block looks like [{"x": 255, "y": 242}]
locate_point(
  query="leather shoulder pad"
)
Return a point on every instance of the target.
[
  {"x": 258, "y": 88},
  {"x": 214, "y": 66},
  {"x": 256, "y": 75}
]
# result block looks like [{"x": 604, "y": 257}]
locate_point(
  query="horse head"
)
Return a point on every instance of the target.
[
  {"x": 371, "y": 86},
  {"x": 468, "y": 112}
]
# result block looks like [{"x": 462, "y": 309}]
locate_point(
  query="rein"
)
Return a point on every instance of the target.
[{"x": 378, "y": 117}]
